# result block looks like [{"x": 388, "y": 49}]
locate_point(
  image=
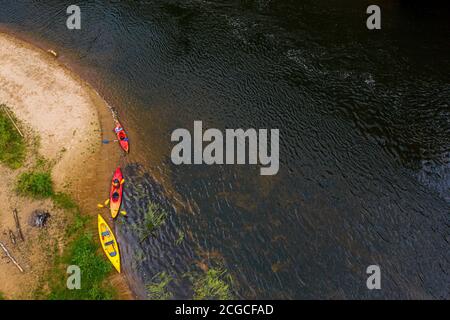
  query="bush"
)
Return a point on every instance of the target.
[
  {"x": 35, "y": 184},
  {"x": 12, "y": 145}
]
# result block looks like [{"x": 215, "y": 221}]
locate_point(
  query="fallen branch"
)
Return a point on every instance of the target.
[
  {"x": 12, "y": 120},
  {"x": 19, "y": 230},
  {"x": 11, "y": 257}
]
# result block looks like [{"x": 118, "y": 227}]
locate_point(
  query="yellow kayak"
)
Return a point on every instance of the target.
[{"x": 109, "y": 243}]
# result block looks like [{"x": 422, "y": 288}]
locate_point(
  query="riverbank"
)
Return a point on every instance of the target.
[{"x": 62, "y": 119}]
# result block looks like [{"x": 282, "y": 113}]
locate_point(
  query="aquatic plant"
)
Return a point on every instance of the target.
[
  {"x": 35, "y": 184},
  {"x": 139, "y": 255},
  {"x": 12, "y": 144},
  {"x": 154, "y": 218},
  {"x": 157, "y": 290},
  {"x": 213, "y": 285},
  {"x": 180, "y": 238}
]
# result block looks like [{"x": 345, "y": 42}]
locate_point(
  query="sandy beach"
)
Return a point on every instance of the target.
[{"x": 68, "y": 116}]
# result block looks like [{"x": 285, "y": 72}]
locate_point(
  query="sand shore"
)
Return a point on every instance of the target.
[{"x": 68, "y": 116}]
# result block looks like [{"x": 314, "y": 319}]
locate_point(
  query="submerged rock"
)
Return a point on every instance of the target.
[{"x": 39, "y": 218}]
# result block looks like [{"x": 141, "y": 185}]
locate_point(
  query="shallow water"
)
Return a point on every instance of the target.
[{"x": 364, "y": 121}]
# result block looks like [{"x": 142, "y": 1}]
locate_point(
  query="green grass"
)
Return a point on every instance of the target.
[
  {"x": 83, "y": 251},
  {"x": 63, "y": 201},
  {"x": 12, "y": 145},
  {"x": 42, "y": 164},
  {"x": 78, "y": 225},
  {"x": 2, "y": 297},
  {"x": 37, "y": 185},
  {"x": 157, "y": 290},
  {"x": 213, "y": 285},
  {"x": 95, "y": 269}
]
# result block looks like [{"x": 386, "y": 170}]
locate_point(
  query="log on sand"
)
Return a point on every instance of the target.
[
  {"x": 19, "y": 229},
  {"x": 11, "y": 257}
]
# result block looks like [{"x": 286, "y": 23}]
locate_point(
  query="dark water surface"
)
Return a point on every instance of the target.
[{"x": 364, "y": 119}]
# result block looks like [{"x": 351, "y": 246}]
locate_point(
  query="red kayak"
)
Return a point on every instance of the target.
[
  {"x": 115, "y": 196},
  {"x": 122, "y": 137}
]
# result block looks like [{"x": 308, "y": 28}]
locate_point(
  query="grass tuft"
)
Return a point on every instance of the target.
[
  {"x": 12, "y": 145},
  {"x": 37, "y": 185},
  {"x": 63, "y": 201}
]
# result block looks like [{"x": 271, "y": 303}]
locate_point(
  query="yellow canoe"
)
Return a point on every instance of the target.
[{"x": 109, "y": 243}]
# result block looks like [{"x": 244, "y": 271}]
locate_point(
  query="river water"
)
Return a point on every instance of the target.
[{"x": 364, "y": 121}]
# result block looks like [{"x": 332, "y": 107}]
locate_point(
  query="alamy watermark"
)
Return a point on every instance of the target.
[
  {"x": 74, "y": 278},
  {"x": 74, "y": 20},
  {"x": 374, "y": 280},
  {"x": 373, "y": 22},
  {"x": 236, "y": 146}
]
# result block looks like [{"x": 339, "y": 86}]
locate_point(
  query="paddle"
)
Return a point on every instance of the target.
[
  {"x": 108, "y": 141},
  {"x": 103, "y": 205}
]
